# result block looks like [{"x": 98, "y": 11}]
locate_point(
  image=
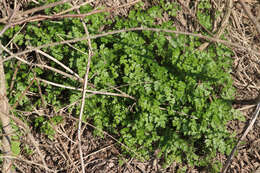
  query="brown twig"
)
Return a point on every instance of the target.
[
  {"x": 75, "y": 7},
  {"x": 65, "y": 149},
  {"x": 51, "y": 5},
  {"x": 229, "y": 4},
  {"x": 227, "y": 43},
  {"x": 14, "y": 76},
  {"x": 90, "y": 54},
  {"x": 105, "y": 133},
  {"x": 249, "y": 127},
  {"x": 194, "y": 17},
  {"x": 15, "y": 35},
  {"x": 249, "y": 14},
  {"x": 45, "y": 17},
  {"x": 9, "y": 18},
  {"x": 40, "y": 91},
  {"x": 27, "y": 130},
  {"x": 27, "y": 161},
  {"x": 25, "y": 13},
  {"x": 42, "y": 66}
]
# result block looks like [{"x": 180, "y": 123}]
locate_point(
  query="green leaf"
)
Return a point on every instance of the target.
[{"x": 15, "y": 147}]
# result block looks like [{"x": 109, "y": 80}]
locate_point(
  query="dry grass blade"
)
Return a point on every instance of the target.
[
  {"x": 105, "y": 133},
  {"x": 61, "y": 64},
  {"x": 191, "y": 13},
  {"x": 14, "y": 76},
  {"x": 73, "y": 47},
  {"x": 15, "y": 36},
  {"x": 19, "y": 14},
  {"x": 9, "y": 18},
  {"x": 74, "y": 7},
  {"x": 102, "y": 149},
  {"x": 115, "y": 88},
  {"x": 89, "y": 91},
  {"x": 46, "y": 17},
  {"x": 51, "y": 5},
  {"x": 4, "y": 29},
  {"x": 42, "y": 66},
  {"x": 249, "y": 14},
  {"x": 68, "y": 157},
  {"x": 255, "y": 115},
  {"x": 27, "y": 161}
]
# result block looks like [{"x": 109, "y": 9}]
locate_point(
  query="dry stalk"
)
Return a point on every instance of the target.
[
  {"x": 75, "y": 7},
  {"x": 249, "y": 127},
  {"x": 107, "y": 134},
  {"x": 40, "y": 92},
  {"x": 89, "y": 91},
  {"x": 26, "y": 161},
  {"x": 15, "y": 35},
  {"x": 5, "y": 121},
  {"x": 9, "y": 18},
  {"x": 60, "y": 63},
  {"x": 34, "y": 142},
  {"x": 24, "y": 126},
  {"x": 65, "y": 149},
  {"x": 249, "y": 14},
  {"x": 95, "y": 152},
  {"x": 25, "y": 13},
  {"x": 14, "y": 76},
  {"x": 42, "y": 66},
  {"x": 212, "y": 39},
  {"x": 191, "y": 13},
  {"x": 229, "y": 4},
  {"x": 55, "y": 16},
  {"x": 90, "y": 54}
]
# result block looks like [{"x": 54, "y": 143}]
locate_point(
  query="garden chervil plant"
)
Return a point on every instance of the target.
[{"x": 181, "y": 95}]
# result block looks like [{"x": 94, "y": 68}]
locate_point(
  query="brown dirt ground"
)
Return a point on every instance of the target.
[{"x": 102, "y": 154}]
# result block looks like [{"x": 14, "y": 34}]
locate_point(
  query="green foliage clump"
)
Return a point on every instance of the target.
[
  {"x": 181, "y": 95},
  {"x": 204, "y": 14},
  {"x": 46, "y": 126}
]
